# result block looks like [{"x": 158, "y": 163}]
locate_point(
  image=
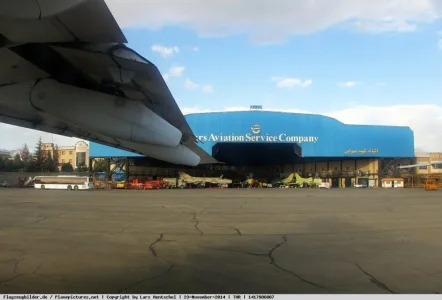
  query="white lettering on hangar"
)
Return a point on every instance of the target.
[{"x": 255, "y": 136}]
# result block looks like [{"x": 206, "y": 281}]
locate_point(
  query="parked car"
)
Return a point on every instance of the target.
[
  {"x": 324, "y": 185},
  {"x": 360, "y": 185},
  {"x": 4, "y": 183}
]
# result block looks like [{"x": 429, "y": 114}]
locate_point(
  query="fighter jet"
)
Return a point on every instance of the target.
[
  {"x": 65, "y": 69},
  {"x": 288, "y": 181},
  {"x": 201, "y": 181},
  {"x": 310, "y": 181}
]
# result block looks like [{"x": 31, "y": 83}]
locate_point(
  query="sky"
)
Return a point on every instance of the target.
[{"x": 375, "y": 62}]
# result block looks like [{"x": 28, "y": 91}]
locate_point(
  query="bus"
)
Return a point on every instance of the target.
[{"x": 63, "y": 182}]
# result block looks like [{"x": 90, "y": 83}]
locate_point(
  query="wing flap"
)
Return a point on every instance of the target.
[{"x": 14, "y": 68}]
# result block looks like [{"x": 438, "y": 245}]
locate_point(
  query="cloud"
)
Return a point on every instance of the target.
[
  {"x": 381, "y": 84},
  {"x": 285, "y": 82},
  {"x": 196, "y": 49},
  {"x": 439, "y": 44},
  {"x": 387, "y": 25},
  {"x": 176, "y": 71},
  {"x": 423, "y": 119},
  {"x": 189, "y": 84},
  {"x": 267, "y": 22},
  {"x": 165, "y": 51},
  {"x": 207, "y": 89},
  {"x": 347, "y": 84}
]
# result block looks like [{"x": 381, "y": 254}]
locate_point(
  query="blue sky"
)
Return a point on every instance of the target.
[
  {"x": 360, "y": 61},
  {"x": 387, "y": 68}
]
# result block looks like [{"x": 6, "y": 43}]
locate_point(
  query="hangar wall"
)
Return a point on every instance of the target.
[{"x": 318, "y": 136}]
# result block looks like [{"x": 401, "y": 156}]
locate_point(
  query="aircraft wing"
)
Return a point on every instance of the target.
[
  {"x": 64, "y": 69},
  {"x": 414, "y": 166},
  {"x": 437, "y": 162}
]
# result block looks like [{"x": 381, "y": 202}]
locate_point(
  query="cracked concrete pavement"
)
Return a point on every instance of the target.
[{"x": 221, "y": 241}]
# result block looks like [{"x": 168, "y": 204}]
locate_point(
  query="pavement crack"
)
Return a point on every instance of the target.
[
  {"x": 244, "y": 204},
  {"x": 151, "y": 246},
  {"x": 36, "y": 269},
  {"x": 373, "y": 279},
  {"x": 18, "y": 260},
  {"x": 41, "y": 220},
  {"x": 124, "y": 228},
  {"x": 237, "y": 231},
  {"x": 274, "y": 263},
  {"x": 12, "y": 278},
  {"x": 196, "y": 224},
  {"x": 168, "y": 270}
]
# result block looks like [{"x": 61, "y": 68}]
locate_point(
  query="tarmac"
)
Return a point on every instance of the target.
[{"x": 252, "y": 241}]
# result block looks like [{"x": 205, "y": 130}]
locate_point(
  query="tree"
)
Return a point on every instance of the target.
[
  {"x": 49, "y": 164},
  {"x": 56, "y": 156},
  {"x": 17, "y": 163},
  {"x": 2, "y": 164},
  {"x": 9, "y": 165},
  {"x": 67, "y": 167},
  {"x": 25, "y": 154},
  {"x": 39, "y": 156},
  {"x": 26, "y": 158}
]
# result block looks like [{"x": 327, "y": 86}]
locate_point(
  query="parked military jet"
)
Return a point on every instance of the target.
[
  {"x": 310, "y": 181},
  {"x": 201, "y": 181},
  {"x": 288, "y": 181}
]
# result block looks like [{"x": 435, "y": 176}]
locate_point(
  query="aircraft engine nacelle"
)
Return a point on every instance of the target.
[
  {"x": 137, "y": 127},
  {"x": 110, "y": 115}
]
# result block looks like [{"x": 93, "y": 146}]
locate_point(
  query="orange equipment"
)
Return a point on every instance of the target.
[{"x": 430, "y": 184}]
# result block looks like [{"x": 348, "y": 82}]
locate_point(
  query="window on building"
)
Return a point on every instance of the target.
[
  {"x": 347, "y": 168},
  {"x": 81, "y": 159},
  {"x": 323, "y": 169},
  {"x": 311, "y": 169},
  {"x": 335, "y": 168},
  {"x": 439, "y": 166},
  {"x": 63, "y": 152},
  {"x": 423, "y": 167},
  {"x": 70, "y": 152}
]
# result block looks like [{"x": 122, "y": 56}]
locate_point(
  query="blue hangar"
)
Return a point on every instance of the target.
[{"x": 303, "y": 143}]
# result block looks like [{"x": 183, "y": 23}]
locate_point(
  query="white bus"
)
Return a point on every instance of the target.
[{"x": 63, "y": 182}]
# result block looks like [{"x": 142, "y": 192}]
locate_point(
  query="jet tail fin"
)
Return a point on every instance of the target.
[
  {"x": 290, "y": 178},
  {"x": 184, "y": 175}
]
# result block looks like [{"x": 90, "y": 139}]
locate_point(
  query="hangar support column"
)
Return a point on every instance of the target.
[
  {"x": 108, "y": 167},
  {"x": 388, "y": 167}
]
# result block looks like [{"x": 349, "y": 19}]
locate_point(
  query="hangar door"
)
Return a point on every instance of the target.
[{"x": 248, "y": 154}]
